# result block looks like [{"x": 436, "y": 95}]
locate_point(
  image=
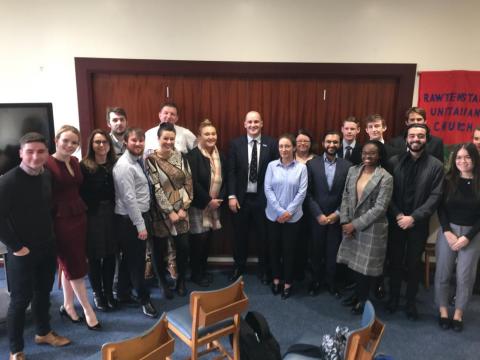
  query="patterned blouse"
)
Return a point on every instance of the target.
[{"x": 172, "y": 183}]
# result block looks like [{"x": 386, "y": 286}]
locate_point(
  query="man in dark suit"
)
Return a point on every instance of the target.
[
  {"x": 418, "y": 183},
  {"x": 350, "y": 149},
  {"x": 248, "y": 158},
  {"x": 326, "y": 180},
  {"x": 418, "y": 115},
  {"x": 375, "y": 127}
]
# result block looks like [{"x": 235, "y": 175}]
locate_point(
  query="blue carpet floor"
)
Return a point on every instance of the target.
[{"x": 288, "y": 320}]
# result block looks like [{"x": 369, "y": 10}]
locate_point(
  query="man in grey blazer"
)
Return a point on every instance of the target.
[{"x": 326, "y": 179}]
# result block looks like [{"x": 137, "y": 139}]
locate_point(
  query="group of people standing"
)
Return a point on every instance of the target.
[{"x": 349, "y": 213}]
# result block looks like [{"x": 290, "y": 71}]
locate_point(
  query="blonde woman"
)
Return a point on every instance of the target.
[{"x": 209, "y": 179}]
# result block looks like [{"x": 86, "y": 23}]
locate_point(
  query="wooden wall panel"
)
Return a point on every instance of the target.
[{"x": 289, "y": 96}]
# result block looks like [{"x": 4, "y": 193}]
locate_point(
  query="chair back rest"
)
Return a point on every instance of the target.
[
  {"x": 363, "y": 342},
  {"x": 210, "y": 307},
  {"x": 154, "y": 344}
]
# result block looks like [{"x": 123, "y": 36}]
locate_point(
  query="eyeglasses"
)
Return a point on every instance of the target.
[
  {"x": 100, "y": 142},
  {"x": 303, "y": 142}
]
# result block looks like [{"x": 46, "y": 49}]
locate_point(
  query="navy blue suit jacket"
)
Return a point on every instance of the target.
[{"x": 320, "y": 199}]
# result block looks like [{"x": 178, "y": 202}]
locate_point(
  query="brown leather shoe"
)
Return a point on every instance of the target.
[
  {"x": 17, "y": 356},
  {"x": 52, "y": 339}
]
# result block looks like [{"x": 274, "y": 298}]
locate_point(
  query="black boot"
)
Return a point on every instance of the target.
[{"x": 181, "y": 288}]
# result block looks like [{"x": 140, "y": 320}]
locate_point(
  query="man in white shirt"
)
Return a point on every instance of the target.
[
  {"x": 185, "y": 140},
  {"x": 132, "y": 203}
]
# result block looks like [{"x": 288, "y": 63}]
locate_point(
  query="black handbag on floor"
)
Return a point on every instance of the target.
[{"x": 256, "y": 340}]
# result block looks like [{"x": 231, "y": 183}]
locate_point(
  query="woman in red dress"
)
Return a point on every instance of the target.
[{"x": 70, "y": 223}]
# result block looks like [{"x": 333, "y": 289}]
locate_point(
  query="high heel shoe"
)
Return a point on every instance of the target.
[
  {"x": 95, "y": 327},
  {"x": 64, "y": 313}
]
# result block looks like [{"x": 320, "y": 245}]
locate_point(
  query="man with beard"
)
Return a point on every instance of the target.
[
  {"x": 326, "y": 180},
  {"x": 117, "y": 122},
  {"x": 418, "y": 115},
  {"x": 418, "y": 182},
  {"x": 26, "y": 228},
  {"x": 132, "y": 205}
]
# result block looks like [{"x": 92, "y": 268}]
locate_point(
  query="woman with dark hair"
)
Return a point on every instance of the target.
[
  {"x": 367, "y": 194},
  {"x": 70, "y": 225},
  {"x": 98, "y": 192},
  {"x": 305, "y": 151},
  {"x": 306, "y": 146},
  {"x": 458, "y": 244},
  {"x": 286, "y": 182},
  {"x": 209, "y": 179},
  {"x": 171, "y": 179}
]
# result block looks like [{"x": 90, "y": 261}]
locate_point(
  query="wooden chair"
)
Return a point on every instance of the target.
[
  {"x": 363, "y": 342},
  {"x": 210, "y": 316},
  {"x": 154, "y": 344}
]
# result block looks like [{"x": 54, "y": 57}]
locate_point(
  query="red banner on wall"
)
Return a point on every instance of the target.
[{"x": 452, "y": 102}]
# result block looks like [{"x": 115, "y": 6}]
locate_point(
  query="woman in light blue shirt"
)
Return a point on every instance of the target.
[{"x": 286, "y": 183}]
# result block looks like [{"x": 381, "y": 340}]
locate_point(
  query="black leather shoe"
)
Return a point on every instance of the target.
[
  {"x": 276, "y": 288},
  {"x": 357, "y": 309},
  {"x": 444, "y": 323},
  {"x": 392, "y": 305},
  {"x": 95, "y": 327},
  {"x": 265, "y": 279},
  {"x": 149, "y": 310},
  {"x": 112, "y": 303},
  {"x": 235, "y": 275},
  {"x": 411, "y": 311},
  {"x": 332, "y": 290},
  {"x": 128, "y": 300},
  {"x": 350, "y": 301},
  {"x": 64, "y": 313},
  {"x": 380, "y": 292},
  {"x": 314, "y": 288},
  {"x": 165, "y": 291},
  {"x": 181, "y": 289},
  {"x": 286, "y": 293},
  {"x": 457, "y": 325},
  {"x": 100, "y": 302}
]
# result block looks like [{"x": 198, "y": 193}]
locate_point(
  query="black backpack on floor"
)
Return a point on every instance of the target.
[{"x": 256, "y": 340}]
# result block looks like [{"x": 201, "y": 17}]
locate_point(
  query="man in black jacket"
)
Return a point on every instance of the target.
[
  {"x": 248, "y": 158},
  {"x": 418, "y": 181},
  {"x": 418, "y": 115},
  {"x": 26, "y": 228},
  {"x": 350, "y": 149}
]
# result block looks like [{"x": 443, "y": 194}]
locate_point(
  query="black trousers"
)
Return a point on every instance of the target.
[
  {"x": 251, "y": 218},
  {"x": 282, "y": 239},
  {"x": 31, "y": 279},
  {"x": 199, "y": 249},
  {"x": 101, "y": 273},
  {"x": 405, "y": 249},
  {"x": 304, "y": 243},
  {"x": 182, "y": 252},
  {"x": 363, "y": 285},
  {"x": 326, "y": 240},
  {"x": 132, "y": 262}
]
